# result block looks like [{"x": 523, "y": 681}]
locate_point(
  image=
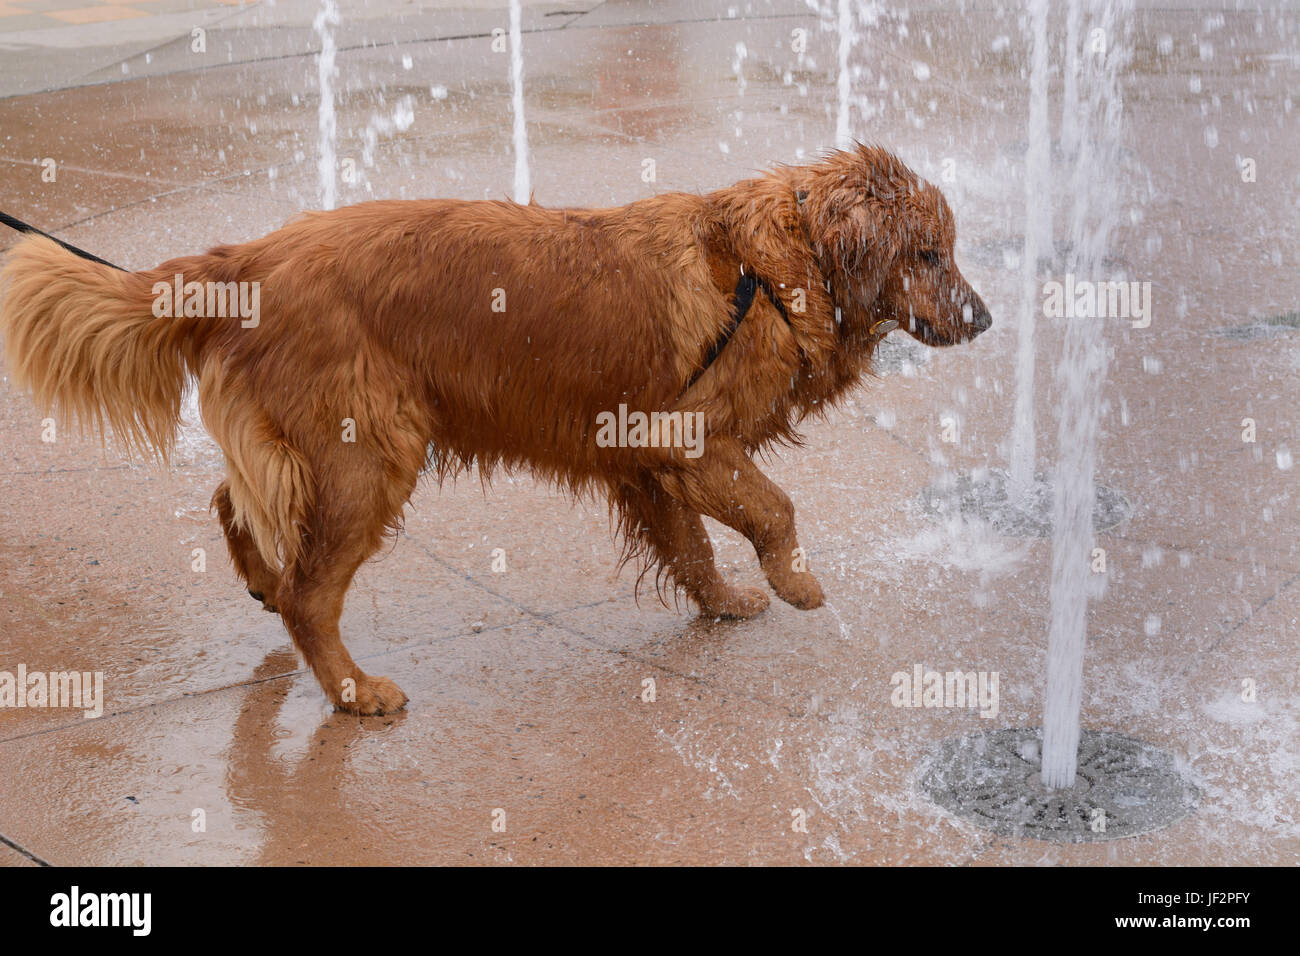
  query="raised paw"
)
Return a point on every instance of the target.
[
  {"x": 791, "y": 580},
  {"x": 371, "y": 697},
  {"x": 800, "y": 590},
  {"x": 736, "y": 604}
]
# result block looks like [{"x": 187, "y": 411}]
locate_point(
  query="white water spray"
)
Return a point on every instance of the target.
[
  {"x": 1038, "y": 237},
  {"x": 843, "y": 135},
  {"x": 522, "y": 184},
  {"x": 1080, "y": 376},
  {"x": 324, "y": 23},
  {"x": 1070, "y": 83}
]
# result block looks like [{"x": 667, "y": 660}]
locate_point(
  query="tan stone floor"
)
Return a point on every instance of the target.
[{"x": 525, "y": 685}]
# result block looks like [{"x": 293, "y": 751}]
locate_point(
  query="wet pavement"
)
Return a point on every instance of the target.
[{"x": 528, "y": 685}]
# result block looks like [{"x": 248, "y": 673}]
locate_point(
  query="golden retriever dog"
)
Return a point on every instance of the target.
[{"x": 644, "y": 353}]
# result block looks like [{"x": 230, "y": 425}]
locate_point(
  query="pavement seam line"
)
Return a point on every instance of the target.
[{"x": 19, "y": 848}]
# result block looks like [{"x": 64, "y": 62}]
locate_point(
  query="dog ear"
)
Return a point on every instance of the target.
[{"x": 856, "y": 236}]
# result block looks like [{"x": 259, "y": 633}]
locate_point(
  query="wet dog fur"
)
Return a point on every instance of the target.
[{"x": 488, "y": 334}]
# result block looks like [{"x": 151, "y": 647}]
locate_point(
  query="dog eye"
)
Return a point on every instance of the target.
[{"x": 931, "y": 257}]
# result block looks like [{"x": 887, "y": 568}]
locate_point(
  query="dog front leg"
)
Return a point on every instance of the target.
[
  {"x": 725, "y": 485},
  {"x": 678, "y": 541}
]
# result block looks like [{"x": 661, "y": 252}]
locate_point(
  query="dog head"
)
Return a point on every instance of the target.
[{"x": 884, "y": 240}]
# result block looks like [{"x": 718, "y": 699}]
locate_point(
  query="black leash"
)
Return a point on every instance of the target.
[
  {"x": 746, "y": 287},
  {"x": 21, "y": 226}
]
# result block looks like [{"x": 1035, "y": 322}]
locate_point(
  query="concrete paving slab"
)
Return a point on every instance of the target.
[{"x": 527, "y": 684}]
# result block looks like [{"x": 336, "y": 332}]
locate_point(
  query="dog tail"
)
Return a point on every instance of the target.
[{"x": 81, "y": 336}]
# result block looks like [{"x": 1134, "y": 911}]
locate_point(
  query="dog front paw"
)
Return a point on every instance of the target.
[
  {"x": 371, "y": 697},
  {"x": 800, "y": 590},
  {"x": 736, "y": 604}
]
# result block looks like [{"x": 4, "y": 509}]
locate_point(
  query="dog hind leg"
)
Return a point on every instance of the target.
[{"x": 262, "y": 580}]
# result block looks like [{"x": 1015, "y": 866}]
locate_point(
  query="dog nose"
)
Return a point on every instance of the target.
[{"x": 980, "y": 319}]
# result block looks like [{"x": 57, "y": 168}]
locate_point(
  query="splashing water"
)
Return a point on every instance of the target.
[
  {"x": 400, "y": 120},
  {"x": 846, "y": 632},
  {"x": 738, "y": 67},
  {"x": 324, "y": 25},
  {"x": 1038, "y": 224},
  {"x": 522, "y": 186},
  {"x": 1070, "y": 82},
  {"x": 843, "y": 136},
  {"x": 850, "y": 20},
  {"x": 1097, "y": 125}
]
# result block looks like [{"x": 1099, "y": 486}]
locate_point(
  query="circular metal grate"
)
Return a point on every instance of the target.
[
  {"x": 1124, "y": 786},
  {"x": 986, "y": 498}
]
